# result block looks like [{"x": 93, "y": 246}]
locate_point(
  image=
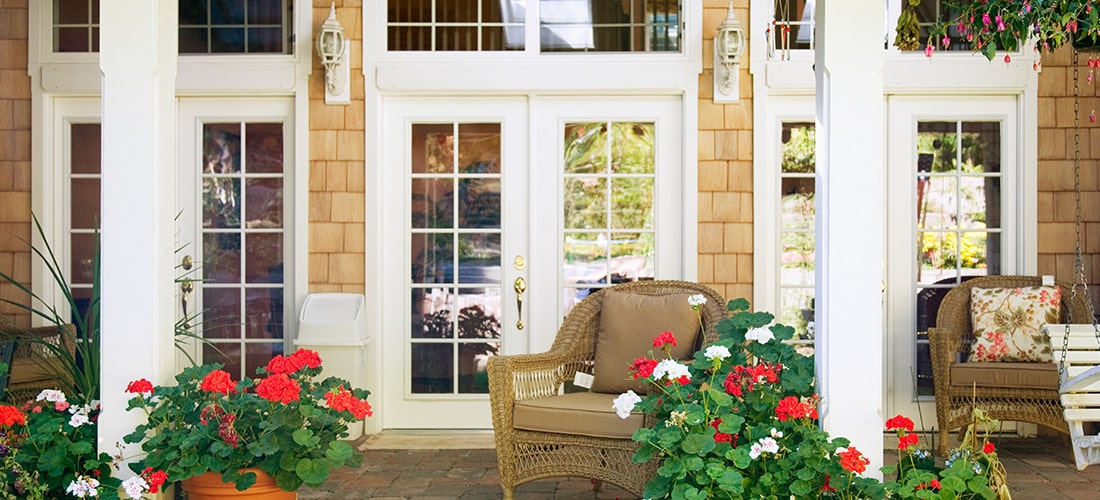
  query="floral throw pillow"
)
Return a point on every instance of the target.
[{"x": 1006, "y": 323}]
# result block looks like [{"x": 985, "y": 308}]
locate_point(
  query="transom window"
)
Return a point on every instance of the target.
[
  {"x": 792, "y": 27},
  {"x": 205, "y": 26},
  {"x": 564, "y": 25}
]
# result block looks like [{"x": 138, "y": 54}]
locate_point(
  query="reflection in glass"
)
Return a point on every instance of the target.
[
  {"x": 479, "y": 258},
  {"x": 626, "y": 26},
  {"x": 264, "y": 313},
  {"x": 221, "y": 313},
  {"x": 82, "y": 268},
  {"x": 258, "y": 354},
  {"x": 226, "y": 353},
  {"x": 585, "y": 148},
  {"x": 433, "y": 148},
  {"x": 221, "y": 148},
  {"x": 473, "y": 358},
  {"x": 431, "y": 316},
  {"x": 432, "y": 203},
  {"x": 479, "y": 148},
  {"x": 797, "y": 216},
  {"x": 84, "y": 199},
  {"x": 632, "y": 148},
  {"x": 221, "y": 257},
  {"x": 479, "y": 313},
  {"x": 432, "y": 258},
  {"x": 84, "y": 146},
  {"x": 432, "y": 368},
  {"x": 264, "y": 262},
  {"x": 264, "y": 144},
  {"x": 479, "y": 203},
  {"x": 220, "y": 202},
  {"x": 585, "y": 203},
  {"x": 264, "y": 202},
  {"x": 632, "y": 206},
  {"x": 938, "y": 202}
]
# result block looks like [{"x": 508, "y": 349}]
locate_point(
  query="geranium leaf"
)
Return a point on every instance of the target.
[
  {"x": 80, "y": 448},
  {"x": 339, "y": 451},
  {"x": 697, "y": 444},
  {"x": 287, "y": 480},
  {"x": 305, "y": 437},
  {"x": 312, "y": 472},
  {"x": 800, "y": 488}
]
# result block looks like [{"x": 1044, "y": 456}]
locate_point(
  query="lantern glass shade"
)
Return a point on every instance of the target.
[
  {"x": 330, "y": 45},
  {"x": 731, "y": 42}
]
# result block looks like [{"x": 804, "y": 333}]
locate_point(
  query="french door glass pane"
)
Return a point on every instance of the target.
[
  {"x": 455, "y": 255},
  {"x": 796, "y": 227},
  {"x": 608, "y": 185},
  {"x": 626, "y": 26},
  {"x": 84, "y": 210},
  {"x": 242, "y": 243},
  {"x": 958, "y": 227}
]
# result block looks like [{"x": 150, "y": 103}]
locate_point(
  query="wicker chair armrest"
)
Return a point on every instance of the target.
[
  {"x": 944, "y": 345},
  {"x": 531, "y": 376}
]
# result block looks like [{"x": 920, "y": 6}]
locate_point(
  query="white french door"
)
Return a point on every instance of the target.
[
  {"x": 954, "y": 196},
  {"x": 234, "y": 244},
  {"x": 500, "y": 214}
]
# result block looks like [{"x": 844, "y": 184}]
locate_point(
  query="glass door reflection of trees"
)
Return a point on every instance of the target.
[
  {"x": 796, "y": 228},
  {"x": 455, "y": 256},
  {"x": 608, "y": 206},
  {"x": 958, "y": 226}
]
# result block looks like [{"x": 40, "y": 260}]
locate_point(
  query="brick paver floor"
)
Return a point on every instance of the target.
[{"x": 1038, "y": 468}]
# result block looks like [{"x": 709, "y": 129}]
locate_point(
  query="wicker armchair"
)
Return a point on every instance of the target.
[
  {"x": 1020, "y": 392},
  {"x": 29, "y": 370},
  {"x": 526, "y": 455}
]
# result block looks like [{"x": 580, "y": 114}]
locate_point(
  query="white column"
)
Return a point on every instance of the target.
[
  {"x": 138, "y": 62},
  {"x": 850, "y": 228}
]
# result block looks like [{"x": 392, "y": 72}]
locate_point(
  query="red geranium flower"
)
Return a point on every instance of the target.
[
  {"x": 907, "y": 440},
  {"x": 793, "y": 408},
  {"x": 10, "y": 415},
  {"x": 989, "y": 448},
  {"x": 139, "y": 385},
  {"x": 344, "y": 400},
  {"x": 899, "y": 422},
  {"x": 664, "y": 339},
  {"x": 643, "y": 367},
  {"x": 218, "y": 381},
  {"x": 280, "y": 388},
  {"x": 853, "y": 461}
]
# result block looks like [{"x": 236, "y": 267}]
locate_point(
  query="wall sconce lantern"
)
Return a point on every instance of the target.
[
  {"x": 332, "y": 47},
  {"x": 729, "y": 44}
]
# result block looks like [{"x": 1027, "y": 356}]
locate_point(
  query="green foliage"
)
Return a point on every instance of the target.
[
  {"x": 248, "y": 425},
  {"x": 52, "y": 446},
  {"x": 742, "y": 424},
  {"x": 1004, "y": 25}
]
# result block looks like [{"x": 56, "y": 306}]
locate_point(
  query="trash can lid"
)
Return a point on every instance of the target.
[{"x": 332, "y": 308}]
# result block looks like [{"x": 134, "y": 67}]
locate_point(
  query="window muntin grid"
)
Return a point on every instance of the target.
[
  {"x": 75, "y": 26},
  {"x": 796, "y": 227},
  {"x": 235, "y": 26}
]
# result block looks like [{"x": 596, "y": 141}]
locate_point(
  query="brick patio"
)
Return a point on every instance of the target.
[{"x": 1038, "y": 468}]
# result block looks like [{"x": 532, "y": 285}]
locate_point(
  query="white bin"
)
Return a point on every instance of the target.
[{"x": 334, "y": 325}]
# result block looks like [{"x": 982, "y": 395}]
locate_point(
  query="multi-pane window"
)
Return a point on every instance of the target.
[
  {"x": 608, "y": 206},
  {"x": 205, "y": 26},
  {"x": 564, "y": 25},
  {"x": 796, "y": 228},
  {"x": 958, "y": 226},
  {"x": 242, "y": 244},
  {"x": 928, "y": 13},
  {"x": 455, "y": 246},
  {"x": 235, "y": 26},
  {"x": 792, "y": 27},
  {"x": 75, "y": 25},
  {"x": 84, "y": 212}
]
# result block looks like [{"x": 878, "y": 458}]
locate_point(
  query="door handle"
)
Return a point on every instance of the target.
[
  {"x": 520, "y": 286},
  {"x": 186, "y": 287}
]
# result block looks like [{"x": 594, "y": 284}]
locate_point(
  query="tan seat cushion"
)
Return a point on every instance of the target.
[
  {"x": 1014, "y": 375},
  {"x": 580, "y": 413},
  {"x": 628, "y": 324}
]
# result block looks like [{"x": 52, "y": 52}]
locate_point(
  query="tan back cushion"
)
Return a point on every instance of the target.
[
  {"x": 1007, "y": 323},
  {"x": 628, "y": 323}
]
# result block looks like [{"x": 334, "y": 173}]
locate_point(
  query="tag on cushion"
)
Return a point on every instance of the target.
[
  {"x": 581, "y": 379},
  {"x": 1007, "y": 323}
]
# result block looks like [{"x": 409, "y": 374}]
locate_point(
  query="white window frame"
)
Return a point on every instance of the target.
[{"x": 57, "y": 76}]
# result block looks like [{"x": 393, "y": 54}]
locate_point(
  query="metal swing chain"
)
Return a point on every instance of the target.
[{"x": 1078, "y": 261}]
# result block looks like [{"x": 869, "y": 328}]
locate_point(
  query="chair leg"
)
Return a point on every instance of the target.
[
  {"x": 941, "y": 447},
  {"x": 509, "y": 494}
]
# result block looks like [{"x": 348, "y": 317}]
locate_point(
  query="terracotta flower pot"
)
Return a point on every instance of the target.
[{"x": 209, "y": 486}]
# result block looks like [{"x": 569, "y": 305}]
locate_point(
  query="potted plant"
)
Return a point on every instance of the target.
[
  {"x": 740, "y": 421},
  {"x": 992, "y": 25},
  {"x": 209, "y": 429}
]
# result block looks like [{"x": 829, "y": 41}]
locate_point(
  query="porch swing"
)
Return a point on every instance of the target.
[{"x": 1078, "y": 354}]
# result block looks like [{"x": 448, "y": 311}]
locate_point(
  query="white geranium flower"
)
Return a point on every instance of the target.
[
  {"x": 776, "y": 433},
  {"x": 51, "y": 395},
  {"x": 671, "y": 369},
  {"x": 762, "y": 335},
  {"x": 697, "y": 300},
  {"x": 769, "y": 445},
  {"x": 624, "y": 403},
  {"x": 78, "y": 419},
  {"x": 718, "y": 352},
  {"x": 135, "y": 486},
  {"x": 83, "y": 486},
  {"x": 755, "y": 451}
]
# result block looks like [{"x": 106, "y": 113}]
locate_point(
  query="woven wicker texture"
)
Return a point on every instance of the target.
[
  {"x": 525, "y": 456},
  {"x": 34, "y": 352},
  {"x": 950, "y": 341}
]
